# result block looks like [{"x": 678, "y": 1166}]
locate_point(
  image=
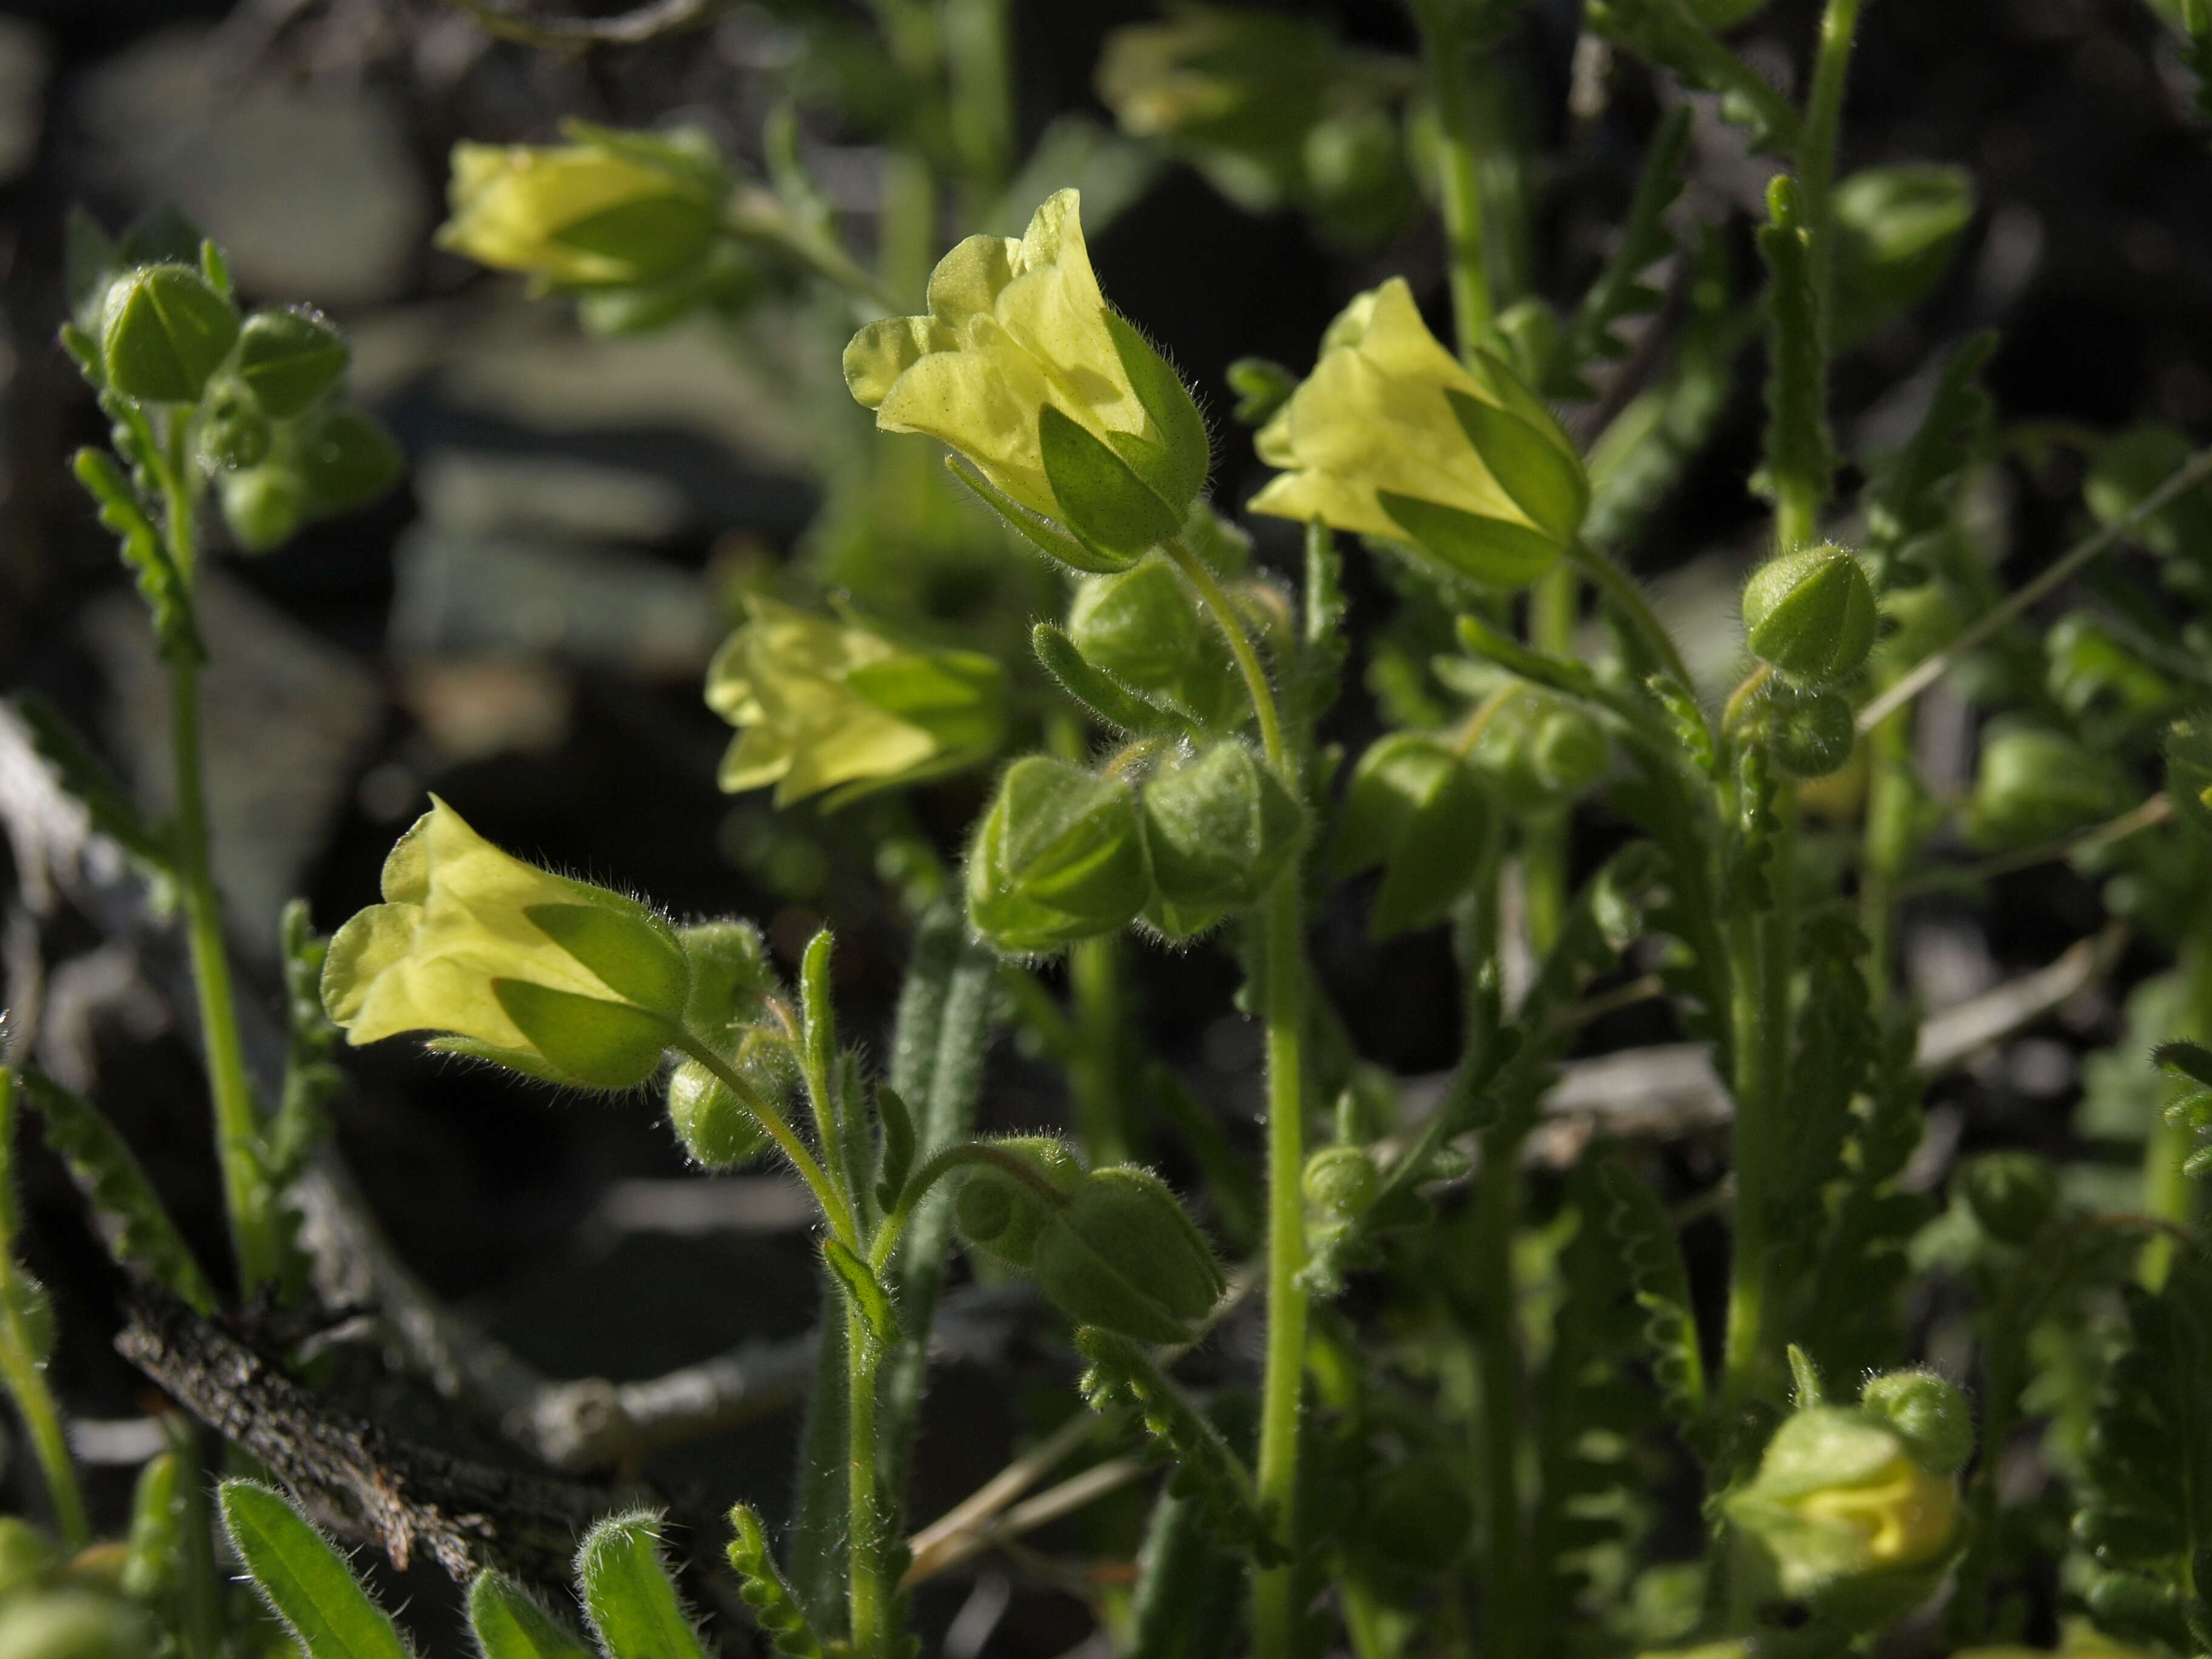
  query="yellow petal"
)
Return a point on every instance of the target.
[
  {"x": 371, "y": 944},
  {"x": 883, "y": 351}
]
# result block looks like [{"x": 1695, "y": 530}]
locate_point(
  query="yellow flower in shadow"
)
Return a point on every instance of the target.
[{"x": 590, "y": 213}]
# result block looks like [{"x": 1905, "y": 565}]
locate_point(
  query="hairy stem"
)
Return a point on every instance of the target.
[
  {"x": 835, "y": 1209},
  {"x": 868, "y": 1589},
  {"x": 1094, "y": 978}
]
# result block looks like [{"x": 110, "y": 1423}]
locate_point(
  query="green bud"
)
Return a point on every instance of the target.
[
  {"x": 1809, "y": 733},
  {"x": 1931, "y": 1414},
  {"x": 1001, "y": 1214},
  {"x": 26, "y": 1555},
  {"x": 347, "y": 460},
  {"x": 288, "y": 358},
  {"x": 2012, "y": 1195},
  {"x": 1060, "y": 857},
  {"x": 710, "y": 1121},
  {"x": 164, "y": 333},
  {"x": 1219, "y": 829},
  {"x": 730, "y": 974},
  {"x": 1144, "y": 625},
  {"x": 1843, "y": 1514},
  {"x": 236, "y": 434},
  {"x": 263, "y": 505},
  {"x": 1340, "y": 1181},
  {"x": 1810, "y": 613},
  {"x": 2036, "y": 785},
  {"x": 2189, "y": 771},
  {"x": 73, "y": 1623},
  {"x": 1541, "y": 750},
  {"x": 1124, "y": 1256},
  {"x": 1418, "y": 810}
]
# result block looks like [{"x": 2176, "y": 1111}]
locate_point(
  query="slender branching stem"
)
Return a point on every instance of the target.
[{"x": 834, "y": 1209}]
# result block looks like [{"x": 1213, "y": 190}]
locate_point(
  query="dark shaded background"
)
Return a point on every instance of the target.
[{"x": 2092, "y": 253}]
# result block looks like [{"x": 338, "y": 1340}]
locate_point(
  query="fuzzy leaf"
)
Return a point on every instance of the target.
[
  {"x": 862, "y": 1291},
  {"x": 306, "y": 1582},
  {"x": 508, "y": 1622},
  {"x": 1797, "y": 443},
  {"x": 1098, "y": 692},
  {"x": 765, "y": 1590},
  {"x": 627, "y": 1594}
]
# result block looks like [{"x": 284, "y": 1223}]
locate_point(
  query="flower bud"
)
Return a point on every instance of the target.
[
  {"x": 73, "y": 1623},
  {"x": 263, "y": 505},
  {"x": 165, "y": 331},
  {"x": 2036, "y": 785},
  {"x": 235, "y": 433},
  {"x": 1124, "y": 1256},
  {"x": 730, "y": 973},
  {"x": 545, "y": 975},
  {"x": 1060, "y": 857},
  {"x": 617, "y": 208},
  {"x": 710, "y": 1121},
  {"x": 1541, "y": 750},
  {"x": 1000, "y": 1215},
  {"x": 1341, "y": 1182},
  {"x": 1845, "y": 1515},
  {"x": 2012, "y": 1195},
  {"x": 1810, "y": 613},
  {"x": 1144, "y": 625},
  {"x": 1931, "y": 1414},
  {"x": 346, "y": 459},
  {"x": 1418, "y": 810},
  {"x": 821, "y": 705},
  {"x": 1219, "y": 829},
  {"x": 1809, "y": 733},
  {"x": 288, "y": 358}
]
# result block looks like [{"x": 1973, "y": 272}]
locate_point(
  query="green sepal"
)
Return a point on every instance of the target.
[
  {"x": 306, "y": 1582},
  {"x": 637, "y": 960},
  {"x": 1545, "y": 480},
  {"x": 627, "y": 1592},
  {"x": 166, "y": 331},
  {"x": 1496, "y": 552},
  {"x": 1220, "y": 828},
  {"x": 2184, "y": 1058},
  {"x": 586, "y": 1042},
  {"x": 1058, "y": 857},
  {"x": 1123, "y": 1255},
  {"x": 1098, "y": 692},
  {"x": 346, "y": 461},
  {"x": 959, "y": 697},
  {"x": 508, "y": 1622},
  {"x": 263, "y": 506},
  {"x": 1184, "y": 452},
  {"x": 863, "y": 1292},
  {"x": 1101, "y": 498},
  {"x": 288, "y": 358},
  {"x": 1419, "y": 811},
  {"x": 894, "y": 1146},
  {"x": 716, "y": 1126},
  {"x": 1050, "y": 539}
]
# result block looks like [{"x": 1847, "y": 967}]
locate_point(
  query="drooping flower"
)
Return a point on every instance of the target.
[
  {"x": 1392, "y": 436},
  {"x": 507, "y": 962},
  {"x": 1060, "y": 405},
  {"x": 822, "y": 705}
]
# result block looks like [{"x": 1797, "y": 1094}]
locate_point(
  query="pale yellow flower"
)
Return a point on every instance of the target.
[
  {"x": 1013, "y": 327},
  {"x": 572, "y": 213},
  {"x": 821, "y": 704},
  {"x": 1901, "y": 1516},
  {"x": 1376, "y": 419},
  {"x": 506, "y": 961}
]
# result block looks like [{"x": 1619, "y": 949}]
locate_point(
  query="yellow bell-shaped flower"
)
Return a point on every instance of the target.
[
  {"x": 1059, "y": 404},
  {"x": 509, "y": 963},
  {"x": 591, "y": 213},
  {"x": 1393, "y": 436},
  {"x": 821, "y": 704}
]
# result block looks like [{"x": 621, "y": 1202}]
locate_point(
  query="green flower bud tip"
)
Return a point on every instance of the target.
[
  {"x": 1124, "y": 1256},
  {"x": 1811, "y": 613},
  {"x": 73, "y": 1623},
  {"x": 1060, "y": 857},
  {"x": 1931, "y": 1414},
  {"x": 1220, "y": 828},
  {"x": 1809, "y": 733},
  {"x": 1000, "y": 1215},
  {"x": 288, "y": 358},
  {"x": 1340, "y": 1181},
  {"x": 545, "y": 975},
  {"x": 1417, "y": 809},
  {"x": 346, "y": 459},
  {"x": 711, "y": 1122},
  {"x": 2011, "y": 1193},
  {"x": 165, "y": 331}
]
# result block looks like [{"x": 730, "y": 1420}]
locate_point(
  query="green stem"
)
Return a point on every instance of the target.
[
  {"x": 1094, "y": 977},
  {"x": 1552, "y": 607},
  {"x": 1448, "y": 53},
  {"x": 869, "y": 1593},
  {"x": 1275, "y": 1612},
  {"x": 1887, "y": 841},
  {"x": 1816, "y": 147},
  {"x": 835, "y": 1209},
  {"x": 979, "y": 73},
  {"x": 237, "y": 1125},
  {"x": 1621, "y": 590},
  {"x": 22, "y": 1368}
]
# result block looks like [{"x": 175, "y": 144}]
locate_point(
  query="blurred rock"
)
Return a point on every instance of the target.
[{"x": 471, "y": 708}]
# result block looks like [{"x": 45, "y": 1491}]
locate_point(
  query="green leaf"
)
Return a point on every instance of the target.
[
  {"x": 84, "y": 777},
  {"x": 166, "y": 331},
  {"x": 1618, "y": 295},
  {"x": 895, "y": 1147},
  {"x": 1652, "y": 1255},
  {"x": 304, "y": 1580},
  {"x": 1897, "y": 230},
  {"x": 1041, "y": 532},
  {"x": 628, "y": 1593},
  {"x": 508, "y": 1622},
  {"x": 1798, "y": 445},
  {"x": 1545, "y": 481},
  {"x": 765, "y": 1590},
  {"x": 1098, "y": 691},
  {"x": 1185, "y": 454},
  {"x": 126, "y": 1212},
  {"x": 1100, "y": 497},
  {"x": 1495, "y": 552},
  {"x": 1912, "y": 495},
  {"x": 861, "y": 1290},
  {"x": 1561, "y": 674},
  {"x": 635, "y": 959},
  {"x": 2184, "y": 1058},
  {"x": 160, "y": 583}
]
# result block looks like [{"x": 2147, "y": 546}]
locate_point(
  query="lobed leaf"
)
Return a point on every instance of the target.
[{"x": 765, "y": 1590}]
